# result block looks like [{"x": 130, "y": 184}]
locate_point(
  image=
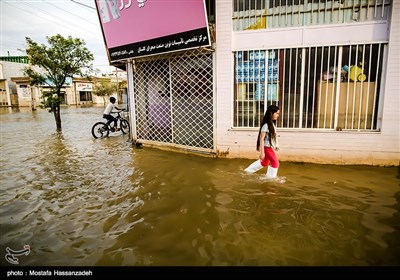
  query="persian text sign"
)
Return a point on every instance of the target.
[
  {"x": 136, "y": 28},
  {"x": 84, "y": 87}
]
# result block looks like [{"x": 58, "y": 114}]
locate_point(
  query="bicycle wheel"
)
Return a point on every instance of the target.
[
  {"x": 125, "y": 128},
  {"x": 100, "y": 130}
]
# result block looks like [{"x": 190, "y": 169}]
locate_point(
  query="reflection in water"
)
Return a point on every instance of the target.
[{"x": 76, "y": 200}]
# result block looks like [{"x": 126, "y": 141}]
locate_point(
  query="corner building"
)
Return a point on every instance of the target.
[{"x": 332, "y": 67}]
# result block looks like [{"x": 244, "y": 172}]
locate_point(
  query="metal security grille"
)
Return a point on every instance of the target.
[
  {"x": 174, "y": 99},
  {"x": 266, "y": 14},
  {"x": 327, "y": 87}
]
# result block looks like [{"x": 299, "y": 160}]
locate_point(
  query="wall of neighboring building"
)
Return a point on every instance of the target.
[
  {"x": 99, "y": 99},
  {"x": 312, "y": 145},
  {"x": 390, "y": 138},
  {"x": 17, "y": 93},
  {"x": 227, "y": 141},
  {"x": 18, "y": 90},
  {"x": 25, "y": 92},
  {"x": 12, "y": 69},
  {"x": 4, "y": 93},
  {"x": 8, "y": 70}
]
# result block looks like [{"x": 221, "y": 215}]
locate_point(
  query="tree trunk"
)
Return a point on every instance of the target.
[{"x": 57, "y": 117}]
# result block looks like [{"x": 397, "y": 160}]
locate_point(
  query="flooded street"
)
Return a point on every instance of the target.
[{"x": 80, "y": 201}]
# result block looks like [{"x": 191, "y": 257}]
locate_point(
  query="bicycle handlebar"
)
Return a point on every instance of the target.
[{"x": 116, "y": 112}]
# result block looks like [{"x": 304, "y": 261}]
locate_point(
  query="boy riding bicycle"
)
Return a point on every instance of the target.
[{"x": 107, "y": 113}]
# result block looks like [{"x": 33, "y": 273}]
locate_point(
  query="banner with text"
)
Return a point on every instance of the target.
[{"x": 137, "y": 28}]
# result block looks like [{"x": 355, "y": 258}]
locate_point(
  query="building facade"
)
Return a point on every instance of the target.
[
  {"x": 15, "y": 90},
  {"x": 330, "y": 66}
]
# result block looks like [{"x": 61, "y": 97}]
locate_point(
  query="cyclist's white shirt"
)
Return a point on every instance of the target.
[{"x": 109, "y": 108}]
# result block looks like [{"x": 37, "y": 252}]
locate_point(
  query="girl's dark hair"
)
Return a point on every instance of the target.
[{"x": 271, "y": 129}]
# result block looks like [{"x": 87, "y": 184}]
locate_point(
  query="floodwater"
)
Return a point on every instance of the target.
[{"x": 80, "y": 201}]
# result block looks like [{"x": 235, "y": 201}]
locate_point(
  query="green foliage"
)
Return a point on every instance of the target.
[
  {"x": 50, "y": 99},
  {"x": 62, "y": 58},
  {"x": 105, "y": 88}
]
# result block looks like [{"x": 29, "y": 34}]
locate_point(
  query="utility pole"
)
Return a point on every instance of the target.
[
  {"x": 31, "y": 89},
  {"x": 119, "y": 94},
  {"x": 32, "y": 99}
]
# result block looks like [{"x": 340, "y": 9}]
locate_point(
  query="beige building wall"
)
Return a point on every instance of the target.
[
  {"x": 25, "y": 92},
  {"x": 317, "y": 146},
  {"x": 100, "y": 100}
]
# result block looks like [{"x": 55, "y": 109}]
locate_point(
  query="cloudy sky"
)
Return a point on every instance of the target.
[{"x": 40, "y": 18}]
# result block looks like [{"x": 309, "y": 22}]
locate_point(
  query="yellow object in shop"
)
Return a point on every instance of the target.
[
  {"x": 356, "y": 74},
  {"x": 242, "y": 91},
  {"x": 261, "y": 23}
]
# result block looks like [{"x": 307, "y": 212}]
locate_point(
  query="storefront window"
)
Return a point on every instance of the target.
[{"x": 327, "y": 87}]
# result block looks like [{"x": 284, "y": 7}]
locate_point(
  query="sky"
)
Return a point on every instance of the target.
[{"x": 39, "y": 19}]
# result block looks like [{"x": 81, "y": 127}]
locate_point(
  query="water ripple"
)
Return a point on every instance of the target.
[{"x": 82, "y": 201}]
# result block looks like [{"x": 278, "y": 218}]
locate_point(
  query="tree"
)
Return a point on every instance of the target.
[
  {"x": 105, "y": 88},
  {"x": 63, "y": 58}
]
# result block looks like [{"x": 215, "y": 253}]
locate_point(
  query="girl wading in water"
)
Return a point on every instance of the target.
[{"x": 267, "y": 144}]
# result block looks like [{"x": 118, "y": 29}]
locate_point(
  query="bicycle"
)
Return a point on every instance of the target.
[{"x": 103, "y": 129}]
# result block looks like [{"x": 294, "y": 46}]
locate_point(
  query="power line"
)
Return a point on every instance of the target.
[
  {"x": 69, "y": 12},
  {"x": 50, "y": 16},
  {"x": 73, "y": 1},
  {"x": 39, "y": 10}
]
